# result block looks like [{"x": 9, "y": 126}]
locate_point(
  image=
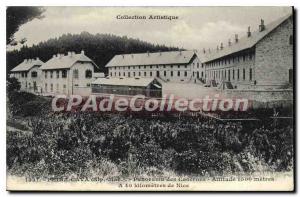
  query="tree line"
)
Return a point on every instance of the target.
[{"x": 101, "y": 48}]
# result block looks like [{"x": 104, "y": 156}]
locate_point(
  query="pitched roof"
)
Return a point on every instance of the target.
[
  {"x": 243, "y": 43},
  {"x": 139, "y": 82},
  {"x": 61, "y": 61},
  {"x": 27, "y": 64},
  {"x": 170, "y": 57}
]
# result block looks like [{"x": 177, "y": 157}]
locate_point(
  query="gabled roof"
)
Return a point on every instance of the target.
[
  {"x": 61, "y": 61},
  {"x": 243, "y": 43},
  {"x": 27, "y": 64},
  {"x": 139, "y": 59},
  {"x": 138, "y": 82}
]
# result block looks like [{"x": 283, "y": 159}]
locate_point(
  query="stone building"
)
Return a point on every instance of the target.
[
  {"x": 173, "y": 66},
  {"x": 67, "y": 74},
  {"x": 29, "y": 75},
  {"x": 263, "y": 59}
]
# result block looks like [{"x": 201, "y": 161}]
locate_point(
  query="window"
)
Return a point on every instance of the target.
[
  {"x": 139, "y": 74},
  {"x": 128, "y": 74},
  {"x": 88, "y": 74},
  {"x": 244, "y": 74},
  {"x": 88, "y": 85},
  {"x": 185, "y": 73},
  {"x": 150, "y": 74},
  {"x": 75, "y": 74},
  {"x": 51, "y": 87},
  {"x": 46, "y": 87},
  {"x": 33, "y": 74},
  {"x": 64, "y": 88},
  {"x": 197, "y": 65},
  {"x": 238, "y": 74},
  {"x": 171, "y": 73},
  {"x": 250, "y": 74},
  {"x": 25, "y": 75},
  {"x": 244, "y": 57},
  {"x": 178, "y": 73},
  {"x": 145, "y": 74},
  {"x": 202, "y": 74},
  {"x": 165, "y": 73},
  {"x": 57, "y": 87},
  {"x": 291, "y": 40},
  {"x": 46, "y": 74},
  {"x": 51, "y": 74},
  {"x": 233, "y": 74},
  {"x": 22, "y": 74},
  {"x": 57, "y": 74},
  {"x": 134, "y": 74},
  {"x": 64, "y": 74}
]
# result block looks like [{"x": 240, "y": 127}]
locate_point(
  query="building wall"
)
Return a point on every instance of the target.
[
  {"x": 168, "y": 73},
  {"x": 27, "y": 81},
  {"x": 70, "y": 84},
  {"x": 232, "y": 68},
  {"x": 274, "y": 56}
]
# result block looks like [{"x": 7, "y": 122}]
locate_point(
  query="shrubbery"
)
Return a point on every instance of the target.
[{"x": 89, "y": 144}]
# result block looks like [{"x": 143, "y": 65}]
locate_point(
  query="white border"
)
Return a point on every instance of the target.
[{"x": 5, "y": 3}]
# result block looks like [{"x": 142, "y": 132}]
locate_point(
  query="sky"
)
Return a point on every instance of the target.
[{"x": 195, "y": 28}]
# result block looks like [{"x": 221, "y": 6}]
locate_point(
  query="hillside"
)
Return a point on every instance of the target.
[{"x": 99, "y": 47}]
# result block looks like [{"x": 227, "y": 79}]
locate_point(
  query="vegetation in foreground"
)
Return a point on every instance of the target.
[{"x": 96, "y": 145}]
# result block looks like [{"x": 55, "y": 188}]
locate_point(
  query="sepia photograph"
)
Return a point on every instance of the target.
[{"x": 150, "y": 98}]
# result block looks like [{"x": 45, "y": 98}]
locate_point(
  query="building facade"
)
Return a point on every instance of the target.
[
  {"x": 263, "y": 59},
  {"x": 29, "y": 75},
  {"x": 174, "y": 66},
  {"x": 67, "y": 74}
]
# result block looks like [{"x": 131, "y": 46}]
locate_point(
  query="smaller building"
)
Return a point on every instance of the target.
[
  {"x": 68, "y": 74},
  {"x": 148, "y": 87},
  {"x": 29, "y": 75}
]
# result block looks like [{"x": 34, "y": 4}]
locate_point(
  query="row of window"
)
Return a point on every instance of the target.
[
  {"x": 88, "y": 74},
  {"x": 147, "y": 67},
  {"x": 150, "y": 74},
  {"x": 63, "y": 74},
  {"x": 229, "y": 74},
  {"x": 229, "y": 60},
  {"x": 33, "y": 74}
]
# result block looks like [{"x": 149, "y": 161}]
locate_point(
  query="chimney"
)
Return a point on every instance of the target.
[
  {"x": 82, "y": 52},
  {"x": 229, "y": 42},
  {"x": 123, "y": 56},
  {"x": 159, "y": 52},
  {"x": 262, "y": 25},
  {"x": 203, "y": 50},
  {"x": 148, "y": 53},
  {"x": 221, "y": 47},
  {"x": 69, "y": 53},
  {"x": 37, "y": 58},
  {"x": 236, "y": 37},
  {"x": 132, "y": 55},
  {"x": 180, "y": 52},
  {"x": 248, "y": 32}
]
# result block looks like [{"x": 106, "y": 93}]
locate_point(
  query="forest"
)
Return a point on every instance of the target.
[{"x": 99, "y": 47}]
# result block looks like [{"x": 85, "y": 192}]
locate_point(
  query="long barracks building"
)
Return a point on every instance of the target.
[
  {"x": 173, "y": 66},
  {"x": 263, "y": 59}
]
